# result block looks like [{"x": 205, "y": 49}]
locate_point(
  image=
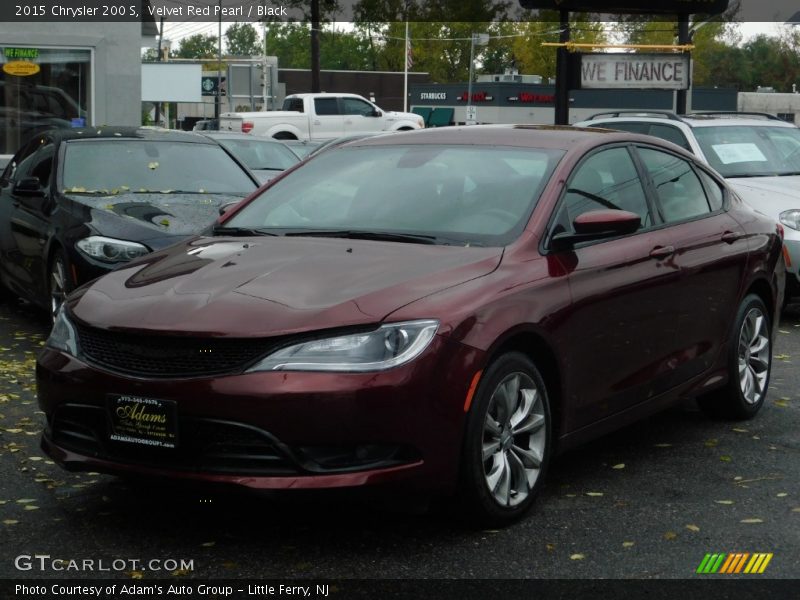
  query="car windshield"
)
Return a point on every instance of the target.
[
  {"x": 260, "y": 154},
  {"x": 751, "y": 151},
  {"x": 477, "y": 195},
  {"x": 126, "y": 165}
]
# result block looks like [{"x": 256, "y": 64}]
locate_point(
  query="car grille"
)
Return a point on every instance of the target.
[
  {"x": 169, "y": 356},
  {"x": 208, "y": 445}
]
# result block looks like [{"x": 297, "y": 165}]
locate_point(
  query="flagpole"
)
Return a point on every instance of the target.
[{"x": 405, "y": 75}]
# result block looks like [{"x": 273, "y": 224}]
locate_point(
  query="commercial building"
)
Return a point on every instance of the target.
[{"x": 69, "y": 73}]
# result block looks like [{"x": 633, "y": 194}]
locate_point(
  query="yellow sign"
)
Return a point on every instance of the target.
[{"x": 21, "y": 68}]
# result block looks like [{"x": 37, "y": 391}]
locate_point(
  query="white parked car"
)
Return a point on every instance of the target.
[{"x": 758, "y": 154}]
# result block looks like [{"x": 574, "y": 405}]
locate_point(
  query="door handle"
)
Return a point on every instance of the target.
[
  {"x": 662, "y": 251},
  {"x": 730, "y": 236}
]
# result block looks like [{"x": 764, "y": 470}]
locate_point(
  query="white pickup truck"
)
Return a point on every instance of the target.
[{"x": 320, "y": 117}]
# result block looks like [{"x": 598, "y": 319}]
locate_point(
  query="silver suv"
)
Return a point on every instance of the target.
[{"x": 758, "y": 154}]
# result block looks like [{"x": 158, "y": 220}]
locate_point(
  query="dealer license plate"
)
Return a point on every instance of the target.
[{"x": 143, "y": 421}]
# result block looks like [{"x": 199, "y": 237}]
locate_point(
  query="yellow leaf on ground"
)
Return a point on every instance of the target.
[
  {"x": 725, "y": 458},
  {"x": 782, "y": 495},
  {"x": 25, "y": 500},
  {"x": 712, "y": 443},
  {"x": 692, "y": 528},
  {"x": 208, "y": 544},
  {"x": 577, "y": 556},
  {"x": 594, "y": 494},
  {"x": 724, "y": 501},
  {"x": 31, "y": 507},
  {"x": 670, "y": 535},
  {"x": 751, "y": 521},
  {"x": 10, "y": 522},
  {"x": 619, "y": 466},
  {"x": 627, "y": 544},
  {"x": 739, "y": 430}
]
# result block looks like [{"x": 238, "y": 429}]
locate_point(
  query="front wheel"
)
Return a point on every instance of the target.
[
  {"x": 507, "y": 441},
  {"x": 59, "y": 282},
  {"x": 749, "y": 365}
]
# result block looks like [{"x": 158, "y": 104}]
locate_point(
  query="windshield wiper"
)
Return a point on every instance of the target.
[
  {"x": 386, "y": 236},
  {"x": 239, "y": 231}
]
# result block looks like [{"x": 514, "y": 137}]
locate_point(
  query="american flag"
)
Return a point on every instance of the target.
[{"x": 409, "y": 55}]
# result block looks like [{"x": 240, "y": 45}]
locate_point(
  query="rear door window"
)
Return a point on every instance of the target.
[{"x": 679, "y": 193}]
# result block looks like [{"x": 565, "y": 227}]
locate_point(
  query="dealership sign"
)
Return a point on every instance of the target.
[
  {"x": 21, "y": 68},
  {"x": 635, "y": 71}
]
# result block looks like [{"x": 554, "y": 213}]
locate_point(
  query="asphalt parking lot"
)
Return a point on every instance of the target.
[{"x": 649, "y": 501}]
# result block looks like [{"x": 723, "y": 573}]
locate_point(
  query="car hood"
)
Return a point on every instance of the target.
[
  {"x": 768, "y": 195},
  {"x": 262, "y": 286},
  {"x": 155, "y": 216}
]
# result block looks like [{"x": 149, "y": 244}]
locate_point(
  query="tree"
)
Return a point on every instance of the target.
[
  {"x": 242, "y": 40},
  {"x": 197, "y": 46}
]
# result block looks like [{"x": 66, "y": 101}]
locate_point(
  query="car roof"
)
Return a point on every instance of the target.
[
  {"x": 526, "y": 136},
  {"x": 697, "y": 119},
  {"x": 235, "y": 135},
  {"x": 141, "y": 133}
]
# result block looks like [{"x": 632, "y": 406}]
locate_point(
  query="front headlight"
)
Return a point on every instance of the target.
[
  {"x": 111, "y": 250},
  {"x": 388, "y": 346},
  {"x": 63, "y": 335},
  {"x": 791, "y": 218}
]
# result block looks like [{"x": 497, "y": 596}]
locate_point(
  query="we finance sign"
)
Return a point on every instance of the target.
[{"x": 635, "y": 71}]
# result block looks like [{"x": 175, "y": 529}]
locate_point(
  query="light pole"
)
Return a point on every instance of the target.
[{"x": 479, "y": 39}]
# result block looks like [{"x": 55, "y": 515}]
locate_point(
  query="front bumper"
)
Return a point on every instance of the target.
[
  {"x": 275, "y": 430},
  {"x": 791, "y": 244}
]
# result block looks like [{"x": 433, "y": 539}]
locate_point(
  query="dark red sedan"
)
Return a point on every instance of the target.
[{"x": 439, "y": 310}]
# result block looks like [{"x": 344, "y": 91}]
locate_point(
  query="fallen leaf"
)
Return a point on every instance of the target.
[
  {"x": 135, "y": 574},
  {"x": 619, "y": 466},
  {"x": 577, "y": 556},
  {"x": 739, "y": 430},
  {"x": 25, "y": 500},
  {"x": 550, "y": 547},
  {"x": 712, "y": 443},
  {"x": 725, "y": 458},
  {"x": 10, "y": 522},
  {"x": 724, "y": 501},
  {"x": 594, "y": 494},
  {"x": 782, "y": 356},
  {"x": 208, "y": 544},
  {"x": 751, "y": 521},
  {"x": 662, "y": 445},
  {"x": 180, "y": 572},
  {"x": 782, "y": 495},
  {"x": 31, "y": 507},
  {"x": 780, "y": 403},
  {"x": 796, "y": 509},
  {"x": 692, "y": 528},
  {"x": 627, "y": 544},
  {"x": 670, "y": 535}
]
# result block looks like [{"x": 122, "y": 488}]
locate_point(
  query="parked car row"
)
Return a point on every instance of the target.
[{"x": 438, "y": 311}]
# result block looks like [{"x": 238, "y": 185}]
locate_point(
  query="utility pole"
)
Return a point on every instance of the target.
[
  {"x": 315, "y": 17},
  {"x": 160, "y": 41},
  {"x": 218, "y": 103},
  {"x": 683, "y": 38}
]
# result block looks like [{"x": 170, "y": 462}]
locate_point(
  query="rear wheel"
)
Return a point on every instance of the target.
[
  {"x": 507, "y": 443},
  {"x": 59, "y": 282},
  {"x": 749, "y": 365}
]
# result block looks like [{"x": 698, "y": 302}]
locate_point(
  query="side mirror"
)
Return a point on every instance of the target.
[
  {"x": 375, "y": 113},
  {"x": 226, "y": 207},
  {"x": 598, "y": 224},
  {"x": 30, "y": 187}
]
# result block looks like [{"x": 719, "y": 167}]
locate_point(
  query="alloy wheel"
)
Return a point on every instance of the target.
[
  {"x": 754, "y": 356},
  {"x": 58, "y": 282},
  {"x": 514, "y": 439}
]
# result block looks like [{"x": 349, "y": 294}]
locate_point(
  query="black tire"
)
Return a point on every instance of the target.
[
  {"x": 283, "y": 135},
  {"x": 59, "y": 283},
  {"x": 749, "y": 364},
  {"x": 517, "y": 452}
]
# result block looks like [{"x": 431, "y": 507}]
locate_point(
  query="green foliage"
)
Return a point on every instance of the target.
[
  {"x": 197, "y": 46},
  {"x": 242, "y": 40}
]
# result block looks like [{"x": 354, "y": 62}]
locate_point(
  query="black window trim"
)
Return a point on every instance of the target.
[
  {"x": 651, "y": 190},
  {"x": 546, "y": 246}
]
